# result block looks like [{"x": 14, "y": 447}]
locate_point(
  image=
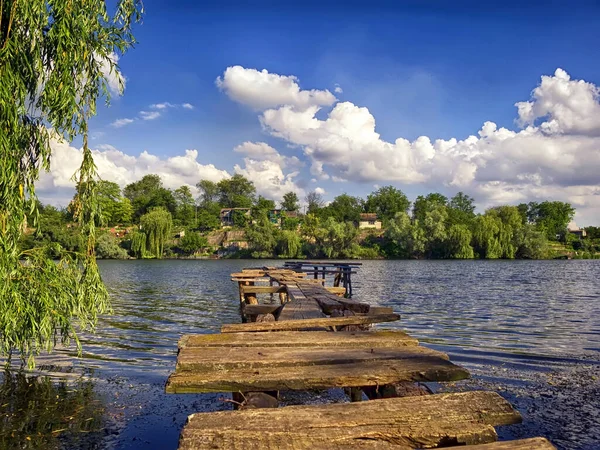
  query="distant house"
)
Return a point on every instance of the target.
[
  {"x": 574, "y": 229},
  {"x": 369, "y": 220},
  {"x": 227, "y": 215}
]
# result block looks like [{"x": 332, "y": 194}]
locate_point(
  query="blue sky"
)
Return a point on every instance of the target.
[{"x": 421, "y": 69}]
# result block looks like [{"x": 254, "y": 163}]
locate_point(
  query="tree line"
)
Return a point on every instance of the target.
[{"x": 433, "y": 226}]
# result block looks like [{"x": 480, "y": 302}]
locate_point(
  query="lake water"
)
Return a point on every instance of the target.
[{"x": 527, "y": 329}]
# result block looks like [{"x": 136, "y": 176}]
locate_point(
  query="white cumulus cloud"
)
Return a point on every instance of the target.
[
  {"x": 115, "y": 165},
  {"x": 554, "y": 155},
  {"x": 187, "y": 106},
  {"x": 261, "y": 89}
]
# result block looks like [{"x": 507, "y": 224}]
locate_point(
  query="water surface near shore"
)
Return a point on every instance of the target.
[{"x": 527, "y": 329}]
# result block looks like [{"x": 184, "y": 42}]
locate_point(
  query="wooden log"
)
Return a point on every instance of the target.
[
  {"x": 425, "y": 369},
  {"x": 301, "y": 324},
  {"x": 371, "y": 339},
  {"x": 229, "y": 358},
  {"x": 422, "y": 422}
]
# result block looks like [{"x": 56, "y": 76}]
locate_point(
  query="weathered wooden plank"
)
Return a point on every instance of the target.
[
  {"x": 537, "y": 443},
  {"x": 429, "y": 368},
  {"x": 299, "y": 307},
  {"x": 330, "y": 302},
  {"x": 414, "y": 422},
  {"x": 374, "y": 310},
  {"x": 228, "y": 358},
  {"x": 359, "y": 339},
  {"x": 307, "y": 323},
  {"x": 254, "y": 310},
  {"x": 263, "y": 289}
]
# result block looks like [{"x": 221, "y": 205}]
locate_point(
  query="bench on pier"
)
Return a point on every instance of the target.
[{"x": 440, "y": 420}]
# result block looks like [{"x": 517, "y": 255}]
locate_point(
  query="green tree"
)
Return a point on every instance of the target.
[
  {"x": 52, "y": 55},
  {"x": 236, "y": 192},
  {"x": 262, "y": 238},
  {"x": 458, "y": 244},
  {"x": 123, "y": 212},
  {"x": 344, "y": 208},
  {"x": 208, "y": 217},
  {"x": 386, "y": 202},
  {"x": 209, "y": 193},
  {"x": 289, "y": 244},
  {"x": 109, "y": 195},
  {"x": 192, "y": 242},
  {"x": 435, "y": 228},
  {"x": 592, "y": 232},
  {"x": 107, "y": 247},
  {"x": 551, "y": 218},
  {"x": 485, "y": 236},
  {"x": 314, "y": 202},
  {"x": 185, "y": 212},
  {"x": 156, "y": 226},
  {"x": 461, "y": 209},
  {"x": 334, "y": 239},
  {"x": 424, "y": 204},
  {"x": 406, "y": 239},
  {"x": 149, "y": 193},
  {"x": 264, "y": 204},
  {"x": 530, "y": 243},
  {"x": 290, "y": 202}
]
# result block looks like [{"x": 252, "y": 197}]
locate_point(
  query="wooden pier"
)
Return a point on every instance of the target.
[{"x": 314, "y": 337}]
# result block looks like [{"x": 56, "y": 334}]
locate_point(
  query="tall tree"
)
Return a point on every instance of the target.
[
  {"x": 345, "y": 208},
  {"x": 185, "y": 212},
  {"x": 52, "y": 56},
  {"x": 156, "y": 226},
  {"x": 551, "y": 217},
  {"x": 422, "y": 205},
  {"x": 387, "y": 202},
  {"x": 236, "y": 192},
  {"x": 290, "y": 201},
  {"x": 461, "y": 209},
  {"x": 314, "y": 201},
  {"x": 149, "y": 193},
  {"x": 209, "y": 192}
]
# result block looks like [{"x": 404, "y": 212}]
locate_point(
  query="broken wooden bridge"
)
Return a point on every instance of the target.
[{"x": 305, "y": 335}]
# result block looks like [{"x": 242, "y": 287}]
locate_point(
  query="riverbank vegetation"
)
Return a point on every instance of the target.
[{"x": 227, "y": 219}]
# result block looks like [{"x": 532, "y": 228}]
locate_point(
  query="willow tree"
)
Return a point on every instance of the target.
[
  {"x": 56, "y": 58},
  {"x": 156, "y": 226}
]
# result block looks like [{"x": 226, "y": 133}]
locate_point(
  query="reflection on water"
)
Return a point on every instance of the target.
[
  {"x": 39, "y": 413},
  {"x": 524, "y": 317}
]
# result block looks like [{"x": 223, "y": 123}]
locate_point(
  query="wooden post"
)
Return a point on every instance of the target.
[
  {"x": 250, "y": 298},
  {"x": 355, "y": 394}
]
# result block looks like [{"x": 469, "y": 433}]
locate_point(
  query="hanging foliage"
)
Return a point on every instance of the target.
[
  {"x": 55, "y": 59},
  {"x": 156, "y": 226},
  {"x": 138, "y": 244}
]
